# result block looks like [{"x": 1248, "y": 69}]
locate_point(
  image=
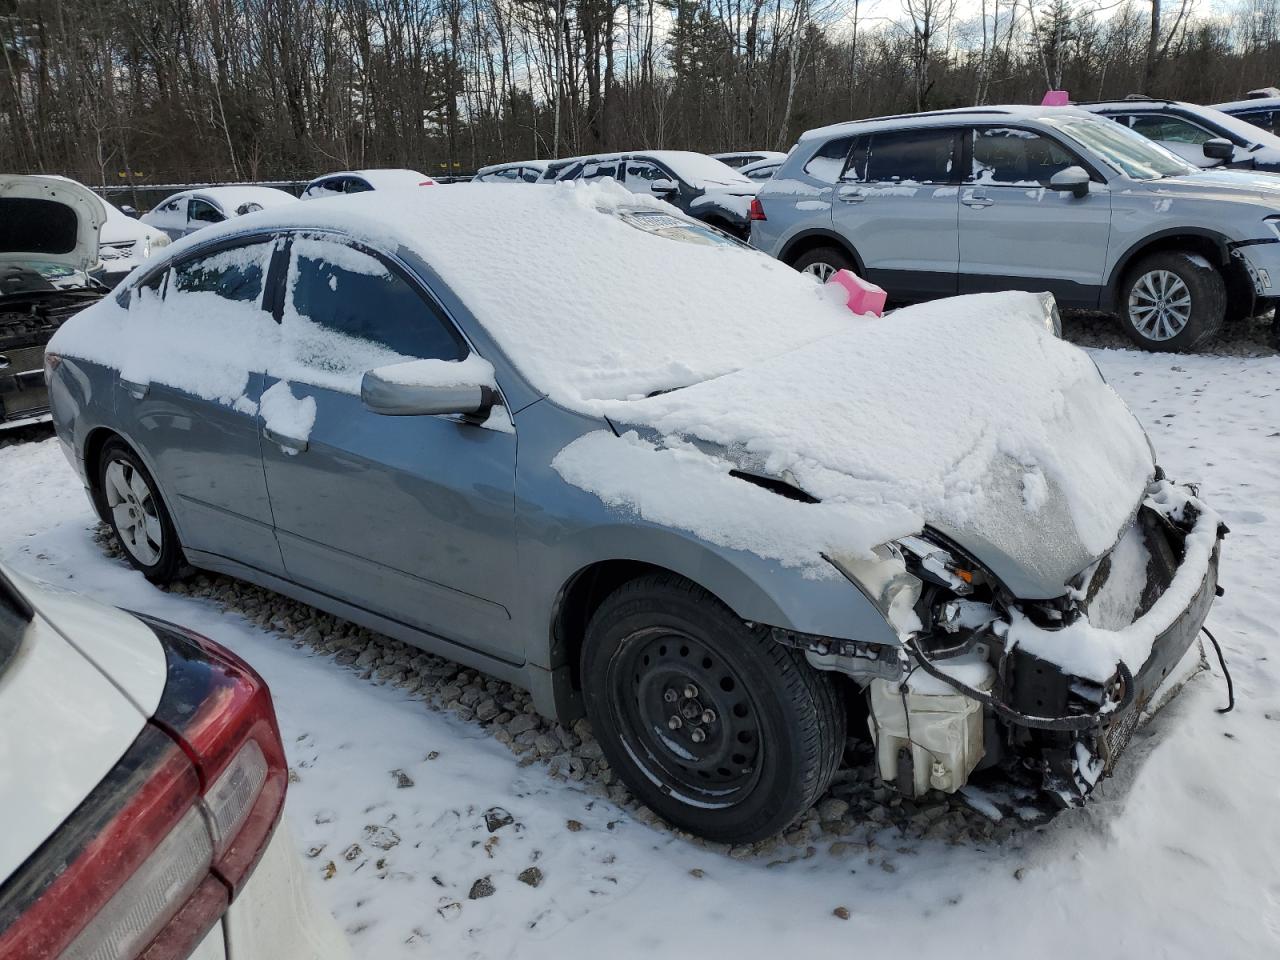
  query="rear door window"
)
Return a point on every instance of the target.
[
  {"x": 1259, "y": 118},
  {"x": 911, "y": 156},
  {"x": 237, "y": 274}
]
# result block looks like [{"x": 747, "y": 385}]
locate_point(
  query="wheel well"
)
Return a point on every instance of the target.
[
  {"x": 579, "y": 600},
  {"x": 1211, "y": 249},
  {"x": 800, "y": 246},
  {"x": 93, "y": 444}
]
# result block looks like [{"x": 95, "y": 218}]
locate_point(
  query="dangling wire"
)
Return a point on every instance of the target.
[{"x": 1222, "y": 662}]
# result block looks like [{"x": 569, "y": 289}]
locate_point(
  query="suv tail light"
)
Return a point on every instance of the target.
[
  {"x": 152, "y": 858},
  {"x": 757, "y": 210}
]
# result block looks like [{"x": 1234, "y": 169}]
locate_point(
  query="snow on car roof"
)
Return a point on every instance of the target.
[
  {"x": 531, "y": 164},
  {"x": 694, "y": 168},
  {"x": 1021, "y": 111},
  {"x": 229, "y": 199},
  {"x": 389, "y": 179}
]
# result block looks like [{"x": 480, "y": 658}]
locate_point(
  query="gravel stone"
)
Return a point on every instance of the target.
[
  {"x": 530, "y": 875},
  {"x": 482, "y": 888}
]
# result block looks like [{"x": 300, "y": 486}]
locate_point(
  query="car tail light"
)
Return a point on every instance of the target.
[
  {"x": 427, "y": 183},
  {"x": 146, "y": 865},
  {"x": 757, "y": 209}
]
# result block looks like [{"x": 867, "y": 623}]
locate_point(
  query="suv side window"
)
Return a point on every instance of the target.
[
  {"x": 1170, "y": 129},
  {"x": 1259, "y": 118},
  {"x": 349, "y": 311},
  {"x": 235, "y": 274},
  {"x": 1016, "y": 156},
  {"x": 826, "y": 164},
  {"x": 599, "y": 169},
  {"x": 204, "y": 211},
  {"x": 921, "y": 156}
]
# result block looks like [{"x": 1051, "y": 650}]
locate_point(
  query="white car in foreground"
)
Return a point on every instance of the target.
[
  {"x": 142, "y": 780},
  {"x": 362, "y": 181},
  {"x": 188, "y": 211}
]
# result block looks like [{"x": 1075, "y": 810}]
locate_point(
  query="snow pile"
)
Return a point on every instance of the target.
[
  {"x": 675, "y": 484},
  {"x": 964, "y": 413},
  {"x": 287, "y": 415},
  {"x": 471, "y": 371}
]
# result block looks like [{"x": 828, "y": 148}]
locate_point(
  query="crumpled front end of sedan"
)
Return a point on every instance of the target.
[{"x": 1050, "y": 691}]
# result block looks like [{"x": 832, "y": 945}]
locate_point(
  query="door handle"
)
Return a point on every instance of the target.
[
  {"x": 850, "y": 195},
  {"x": 284, "y": 441},
  {"x": 977, "y": 201},
  {"x": 135, "y": 389}
]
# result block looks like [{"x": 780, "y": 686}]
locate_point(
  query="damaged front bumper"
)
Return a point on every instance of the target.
[{"x": 1050, "y": 692}]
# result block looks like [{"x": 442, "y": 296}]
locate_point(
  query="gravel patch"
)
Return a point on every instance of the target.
[
  {"x": 856, "y": 812},
  {"x": 1255, "y": 337}
]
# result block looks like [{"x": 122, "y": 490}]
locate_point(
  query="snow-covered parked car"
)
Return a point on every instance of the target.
[
  {"x": 49, "y": 230},
  {"x": 692, "y": 182},
  {"x": 742, "y": 158},
  {"x": 1260, "y": 107},
  {"x": 761, "y": 170},
  {"x": 142, "y": 787},
  {"x": 520, "y": 171},
  {"x": 1207, "y": 137},
  {"x": 125, "y": 242},
  {"x": 648, "y": 472},
  {"x": 362, "y": 181},
  {"x": 191, "y": 210}
]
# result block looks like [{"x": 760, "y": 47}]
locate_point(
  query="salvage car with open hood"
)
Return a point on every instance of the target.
[
  {"x": 649, "y": 473},
  {"x": 48, "y": 245}
]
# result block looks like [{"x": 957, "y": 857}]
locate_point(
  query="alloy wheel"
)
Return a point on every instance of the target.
[
  {"x": 822, "y": 271},
  {"x": 133, "y": 511},
  {"x": 1159, "y": 305},
  {"x": 686, "y": 718}
]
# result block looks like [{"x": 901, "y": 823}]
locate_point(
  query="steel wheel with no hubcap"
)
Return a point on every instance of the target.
[
  {"x": 1159, "y": 305},
  {"x": 133, "y": 510},
  {"x": 685, "y": 717}
]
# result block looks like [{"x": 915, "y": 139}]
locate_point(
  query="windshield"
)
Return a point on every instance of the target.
[{"x": 1121, "y": 149}]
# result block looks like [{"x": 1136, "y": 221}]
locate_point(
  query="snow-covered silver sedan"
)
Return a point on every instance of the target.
[{"x": 645, "y": 471}]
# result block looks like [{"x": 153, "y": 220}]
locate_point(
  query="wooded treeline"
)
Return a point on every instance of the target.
[{"x": 249, "y": 89}]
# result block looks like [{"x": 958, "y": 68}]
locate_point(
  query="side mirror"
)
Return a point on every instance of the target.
[
  {"x": 662, "y": 188},
  {"x": 129, "y": 211},
  {"x": 422, "y": 388},
  {"x": 1219, "y": 148},
  {"x": 1073, "y": 180}
]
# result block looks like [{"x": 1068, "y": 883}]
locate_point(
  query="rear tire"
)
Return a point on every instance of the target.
[
  {"x": 1172, "y": 301},
  {"x": 710, "y": 723},
  {"x": 822, "y": 262},
  {"x": 129, "y": 499}
]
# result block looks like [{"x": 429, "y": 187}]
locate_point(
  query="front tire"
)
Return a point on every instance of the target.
[
  {"x": 711, "y": 723},
  {"x": 821, "y": 262},
  {"x": 1173, "y": 300},
  {"x": 130, "y": 501}
]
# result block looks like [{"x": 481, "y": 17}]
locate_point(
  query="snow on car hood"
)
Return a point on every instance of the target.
[
  {"x": 52, "y": 222},
  {"x": 964, "y": 414}
]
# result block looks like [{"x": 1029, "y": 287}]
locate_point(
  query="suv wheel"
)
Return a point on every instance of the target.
[
  {"x": 130, "y": 501},
  {"x": 1173, "y": 300},
  {"x": 711, "y": 723},
  {"x": 822, "y": 262}
]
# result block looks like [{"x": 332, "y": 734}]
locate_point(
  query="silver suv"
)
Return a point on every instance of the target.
[{"x": 1029, "y": 198}]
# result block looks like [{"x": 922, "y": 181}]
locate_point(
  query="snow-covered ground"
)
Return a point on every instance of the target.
[{"x": 1176, "y": 857}]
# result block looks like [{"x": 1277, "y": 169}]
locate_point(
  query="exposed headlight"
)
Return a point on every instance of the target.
[
  {"x": 160, "y": 241},
  {"x": 884, "y": 579}
]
